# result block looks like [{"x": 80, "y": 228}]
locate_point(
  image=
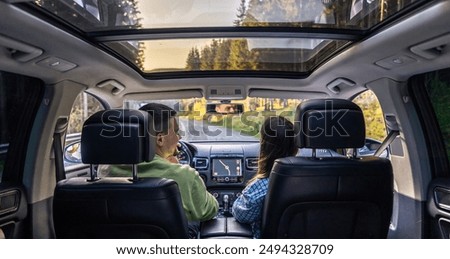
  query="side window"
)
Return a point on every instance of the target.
[
  {"x": 84, "y": 106},
  {"x": 438, "y": 89},
  {"x": 19, "y": 100},
  {"x": 373, "y": 115}
]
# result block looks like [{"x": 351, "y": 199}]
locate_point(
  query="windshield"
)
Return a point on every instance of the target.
[{"x": 196, "y": 124}]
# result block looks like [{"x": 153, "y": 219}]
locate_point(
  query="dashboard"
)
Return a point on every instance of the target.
[{"x": 226, "y": 167}]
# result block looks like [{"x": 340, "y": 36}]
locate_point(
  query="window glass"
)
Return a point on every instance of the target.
[
  {"x": 438, "y": 89},
  {"x": 199, "y": 123},
  {"x": 339, "y": 22},
  {"x": 373, "y": 115},
  {"x": 97, "y": 15},
  {"x": 19, "y": 96},
  {"x": 84, "y": 106},
  {"x": 227, "y": 54}
]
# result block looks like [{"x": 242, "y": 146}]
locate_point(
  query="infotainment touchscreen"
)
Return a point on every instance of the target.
[{"x": 226, "y": 167}]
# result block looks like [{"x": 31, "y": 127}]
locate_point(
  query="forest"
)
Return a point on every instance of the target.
[{"x": 238, "y": 54}]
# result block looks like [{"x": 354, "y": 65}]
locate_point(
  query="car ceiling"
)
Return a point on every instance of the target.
[{"x": 360, "y": 63}]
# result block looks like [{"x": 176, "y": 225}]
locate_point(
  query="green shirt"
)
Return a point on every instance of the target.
[{"x": 198, "y": 203}]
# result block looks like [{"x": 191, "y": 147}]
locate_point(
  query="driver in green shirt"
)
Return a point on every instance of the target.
[{"x": 198, "y": 203}]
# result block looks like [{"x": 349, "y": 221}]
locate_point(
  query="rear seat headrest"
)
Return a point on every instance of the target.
[
  {"x": 118, "y": 136},
  {"x": 329, "y": 123}
]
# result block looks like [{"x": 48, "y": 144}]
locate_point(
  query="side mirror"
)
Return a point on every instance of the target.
[{"x": 72, "y": 153}]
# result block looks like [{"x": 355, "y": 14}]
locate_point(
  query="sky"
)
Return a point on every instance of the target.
[
  {"x": 169, "y": 53},
  {"x": 187, "y": 13},
  {"x": 181, "y": 13}
]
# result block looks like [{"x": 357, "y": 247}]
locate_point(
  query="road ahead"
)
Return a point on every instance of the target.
[{"x": 199, "y": 131}]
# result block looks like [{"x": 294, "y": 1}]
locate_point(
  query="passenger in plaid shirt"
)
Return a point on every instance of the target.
[{"x": 277, "y": 140}]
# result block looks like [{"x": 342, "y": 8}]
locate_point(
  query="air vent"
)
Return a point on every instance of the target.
[
  {"x": 251, "y": 163},
  {"x": 201, "y": 163}
]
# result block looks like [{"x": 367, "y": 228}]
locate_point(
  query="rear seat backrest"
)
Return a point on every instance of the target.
[
  {"x": 329, "y": 197},
  {"x": 118, "y": 207}
]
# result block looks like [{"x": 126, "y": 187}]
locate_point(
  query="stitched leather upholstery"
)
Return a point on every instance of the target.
[
  {"x": 118, "y": 207},
  {"x": 332, "y": 197}
]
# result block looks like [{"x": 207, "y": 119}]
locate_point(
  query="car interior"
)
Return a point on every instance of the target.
[
  {"x": 332, "y": 197},
  {"x": 113, "y": 213},
  {"x": 372, "y": 77}
]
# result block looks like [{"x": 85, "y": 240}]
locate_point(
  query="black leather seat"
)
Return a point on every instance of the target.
[
  {"x": 332, "y": 197},
  {"x": 118, "y": 207}
]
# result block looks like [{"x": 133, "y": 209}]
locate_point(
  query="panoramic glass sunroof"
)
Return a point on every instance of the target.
[
  {"x": 229, "y": 54},
  {"x": 98, "y": 15},
  {"x": 224, "y": 35}
]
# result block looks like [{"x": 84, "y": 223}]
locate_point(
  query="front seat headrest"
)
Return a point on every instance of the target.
[
  {"x": 118, "y": 136},
  {"x": 329, "y": 123}
]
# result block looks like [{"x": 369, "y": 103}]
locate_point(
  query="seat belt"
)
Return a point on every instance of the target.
[
  {"x": 60, "y": 129},
  {"x": 386, "y": 142}
]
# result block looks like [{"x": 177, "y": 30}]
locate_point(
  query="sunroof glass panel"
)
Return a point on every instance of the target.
[
  {"x": 100, "y": 15},
  {"x": 227, "y": 54}
]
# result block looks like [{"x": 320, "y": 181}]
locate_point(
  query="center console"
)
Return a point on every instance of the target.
[
  {"x": 225, "y": 227},
  {"x": 228, "y": 178},
  {"x": 226, "y": 169}
]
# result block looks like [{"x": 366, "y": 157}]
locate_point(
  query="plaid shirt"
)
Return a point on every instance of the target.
[{"x": 247, "y": 208}]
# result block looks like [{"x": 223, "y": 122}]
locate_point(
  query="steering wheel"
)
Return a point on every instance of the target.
[{"x": 185, "y": 154}]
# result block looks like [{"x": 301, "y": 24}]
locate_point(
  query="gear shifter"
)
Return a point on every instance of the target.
[{"x": 226, "y": 205}]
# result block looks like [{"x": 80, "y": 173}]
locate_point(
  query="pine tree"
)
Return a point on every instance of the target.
[
  {"x": 206, "y": 58},
  {"x": 239, "y": 55},
  {"x": 221, "y": 59},
  {"x": 193, "y": 60},
  {"x": 242, "y": 10}
]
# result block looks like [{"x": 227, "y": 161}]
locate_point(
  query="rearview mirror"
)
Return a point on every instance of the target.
[{"x": 225, "y": 108}]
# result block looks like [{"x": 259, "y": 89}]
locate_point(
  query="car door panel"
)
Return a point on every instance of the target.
[
  {"x": 13, "y": 211},
  {"x": 439, "y": 205}
]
